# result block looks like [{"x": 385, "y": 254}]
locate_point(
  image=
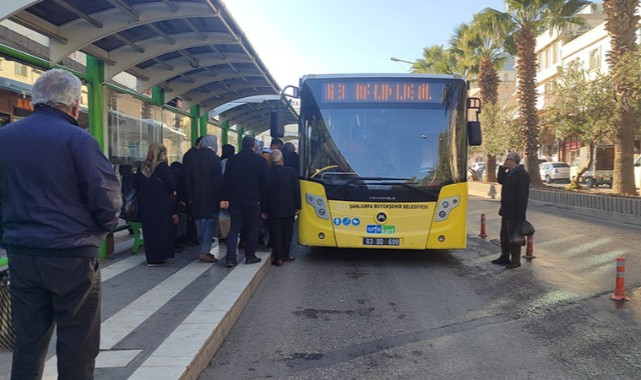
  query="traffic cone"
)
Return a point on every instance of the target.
[
  {"x": 530, "y": 248},
  {"x": 619, "y": 292},
  {"x": 483, "y": 235}
]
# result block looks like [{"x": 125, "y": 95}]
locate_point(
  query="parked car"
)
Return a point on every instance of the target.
[
  {"x": 478, "y": 168},
  {"x": 555, "y": 172},
  {"x": 637, "y": 172}
]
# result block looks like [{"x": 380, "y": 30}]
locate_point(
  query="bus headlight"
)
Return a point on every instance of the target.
[
  {"x": 319, "y": 205},
  {"x": 445, "y": 206}
]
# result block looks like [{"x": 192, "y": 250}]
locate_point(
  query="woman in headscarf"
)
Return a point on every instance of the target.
[{"x": 156, "y": 185}]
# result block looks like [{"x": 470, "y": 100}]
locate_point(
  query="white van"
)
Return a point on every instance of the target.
[{"x": 637, "y": 172}]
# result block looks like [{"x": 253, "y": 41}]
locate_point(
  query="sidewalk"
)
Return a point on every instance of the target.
[{"x": 163, "y": 322}]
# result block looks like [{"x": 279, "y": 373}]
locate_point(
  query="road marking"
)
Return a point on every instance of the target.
[{"x": 121, "y": 266}]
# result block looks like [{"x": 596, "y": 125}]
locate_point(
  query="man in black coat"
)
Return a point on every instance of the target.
[
  {"x": 246, "y": 186},
  {"x": 203, "y": 184},
  {"x": 515, "y": 191},
  {"x": 290, "y": 157},
  {"x": 192, "y": 235},
  {"x": 283, "y": 204}
]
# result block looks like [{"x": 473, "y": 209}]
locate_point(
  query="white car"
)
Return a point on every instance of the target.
[
  {"x": 555, "y": 171},
  {"x": 477, "y": 168},
  {"x": 637, "y": 172}
]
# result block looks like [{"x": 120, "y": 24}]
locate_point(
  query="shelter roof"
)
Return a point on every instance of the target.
[{"x": 193, "y": 49}]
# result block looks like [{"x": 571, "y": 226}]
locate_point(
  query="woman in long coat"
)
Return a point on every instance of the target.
[{"x": 156, "y": 185}]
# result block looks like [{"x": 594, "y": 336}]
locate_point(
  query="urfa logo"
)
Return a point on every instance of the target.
[{"x": 381, "y": 217}]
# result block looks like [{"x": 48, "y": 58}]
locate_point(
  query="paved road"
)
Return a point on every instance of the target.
[{"x": 445, "y": 315}]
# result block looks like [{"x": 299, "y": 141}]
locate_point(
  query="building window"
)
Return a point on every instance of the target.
[
  {"x": 21, "y": 69},
  {"x": 595, "y": 59}
]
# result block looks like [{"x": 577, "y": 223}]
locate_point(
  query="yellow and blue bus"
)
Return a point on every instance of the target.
[{"x": 383, "y": 160}]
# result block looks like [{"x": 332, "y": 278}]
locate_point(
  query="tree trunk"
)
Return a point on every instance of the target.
[
  {"x": 489, "y": 175},
  {"x": 623, "y": 177},
  {"x": 526, "y": 63},
  {"x": 621, "y": 24}
]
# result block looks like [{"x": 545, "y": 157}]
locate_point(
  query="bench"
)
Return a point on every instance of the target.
[{"x": 109, "y": 240}]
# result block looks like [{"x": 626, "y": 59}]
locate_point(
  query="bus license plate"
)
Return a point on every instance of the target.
[{"x": 382, "y": 241}]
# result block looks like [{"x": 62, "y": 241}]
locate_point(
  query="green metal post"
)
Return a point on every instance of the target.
[
  {"x": 203, "y": 124},
  {"x": 241, "y": 132},
  {"x": 195, "y": 118},
  {"x": 157, "y": 95},
  {"x": 95, "y": 78},
  {"x": 225, "y": 127}
]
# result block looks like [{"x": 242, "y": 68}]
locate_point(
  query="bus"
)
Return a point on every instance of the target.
[{"x": 383, "y": 160}]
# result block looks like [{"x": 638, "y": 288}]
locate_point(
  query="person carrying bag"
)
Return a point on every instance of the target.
[{"x": 515, "y": 191}]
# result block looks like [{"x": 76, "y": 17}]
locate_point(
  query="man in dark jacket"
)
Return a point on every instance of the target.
[
  {"x": 246, "y": 185},
  {"x": 192, "y": 234},
  {"x": 283, "y": 204},
  {"x": 203, "y": 183},
  {"x": 290, "y": 157},
  {"x": 59, "y": 196},
  {"x": 515, "y": 191}
]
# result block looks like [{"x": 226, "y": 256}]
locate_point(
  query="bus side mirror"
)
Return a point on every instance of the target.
[
  {"x": 474, "y": 133},
  {"x": 276, "y": 126}
]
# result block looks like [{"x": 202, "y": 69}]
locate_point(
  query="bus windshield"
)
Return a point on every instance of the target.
[{"x": 383, "y": 144}]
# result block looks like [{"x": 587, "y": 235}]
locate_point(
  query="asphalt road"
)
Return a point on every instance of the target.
[{"x": 365, "y": 314}]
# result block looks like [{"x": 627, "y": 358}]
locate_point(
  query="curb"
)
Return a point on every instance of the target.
[{"x": 188, "y": 350}]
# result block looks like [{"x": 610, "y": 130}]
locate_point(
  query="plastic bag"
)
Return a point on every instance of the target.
[
  {"x": 517, "y": 238},
  {"x": 131, "y": 212},
  {"x": 527, "y": 229},
  {"x": 224, "y": 224}
]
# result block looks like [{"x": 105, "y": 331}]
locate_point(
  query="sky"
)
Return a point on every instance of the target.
[{"x": 298, "y": 37}]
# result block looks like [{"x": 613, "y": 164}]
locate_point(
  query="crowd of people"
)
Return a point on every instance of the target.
[{"x": 180, "y": 204}]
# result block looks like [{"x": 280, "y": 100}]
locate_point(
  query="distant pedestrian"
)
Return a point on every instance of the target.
[
  {"x": 59, "y": 197},
  {"x": 290, "y": 156},
  {"x": 228, "y": 151},
  {"x": 156, "y": 185},
  {"x": 246, "y": 185},
  {"x": 282, "y": 205},
  {"x": 275, "y": 144},
  {"x": 192, "y": 235},
  {"x": 515, "y": 191},
  {"x": 204, "y": 183}
]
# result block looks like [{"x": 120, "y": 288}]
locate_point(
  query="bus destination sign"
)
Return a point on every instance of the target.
[{"x": 382, "y": 91}]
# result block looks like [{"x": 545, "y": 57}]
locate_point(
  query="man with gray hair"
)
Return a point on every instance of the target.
[
  {"x": 515, "y": 191},
  {"x": 59, "y": 196},
  {"x": 282, "y": 205},
  {"x": 203, "y": 184}
]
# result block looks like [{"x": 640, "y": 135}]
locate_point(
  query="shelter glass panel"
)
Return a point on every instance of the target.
[{"x": 213, "y": 129}]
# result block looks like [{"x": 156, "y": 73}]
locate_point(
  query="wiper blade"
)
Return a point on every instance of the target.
[
  {"x": 372, "y": 179},
  {"x": 396, "y": 181}
]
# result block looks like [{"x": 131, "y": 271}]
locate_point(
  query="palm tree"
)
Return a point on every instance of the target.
[
  {"x": 527, "y": 19},
  {"x": 621, "y": 22},
  {"x": 436, "y": 60},
  {"x": 480, "y": 48}
]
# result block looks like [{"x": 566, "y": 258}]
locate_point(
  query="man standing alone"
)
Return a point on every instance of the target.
[
  {"x": 246, "y": 185},
  {"x": 515, "y": 191},
  {"x": 59, "y": 196}
]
